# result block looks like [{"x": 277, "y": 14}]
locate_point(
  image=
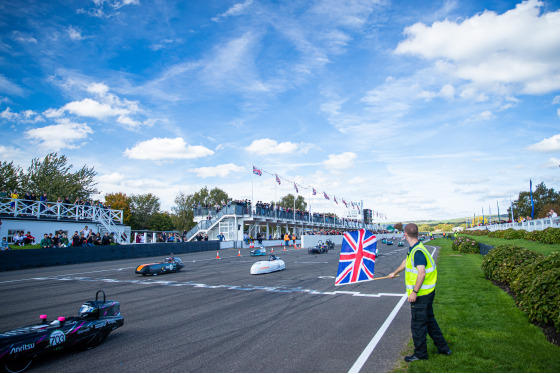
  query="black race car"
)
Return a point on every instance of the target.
[
  {"x": 95, "y": 321},
  {"x": 170, "y": 265},
  {"x": 330, "y": 244},
  {"x": 319, "y": 248}
]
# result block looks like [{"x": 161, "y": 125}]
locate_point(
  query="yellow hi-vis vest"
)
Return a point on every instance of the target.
[{"x": 429, "y": 283}]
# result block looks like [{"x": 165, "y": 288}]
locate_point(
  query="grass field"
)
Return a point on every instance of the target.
[{"x": 485, "y": 330}]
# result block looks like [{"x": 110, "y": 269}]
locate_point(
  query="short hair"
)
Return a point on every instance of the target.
[{"x": 411, "y": 230}]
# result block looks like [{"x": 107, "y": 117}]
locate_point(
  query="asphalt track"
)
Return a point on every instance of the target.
[{"x": 215, "y": 317}]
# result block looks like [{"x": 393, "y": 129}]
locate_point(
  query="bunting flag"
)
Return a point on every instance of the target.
[
  {"x": 335, "y": 200},
  {"x": 257, "y": 171},
  {"x": 277, "y": 179},
  {"x": 295, "y": 186},
  {"x": 314, "y": 192},
  {"x": 326, "y": 196},
  {"x": 357, "y": 258},
  {"x": 345, "y": 203}
]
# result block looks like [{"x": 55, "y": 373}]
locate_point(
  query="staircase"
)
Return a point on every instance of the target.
[{"x": 103, "y": 216}]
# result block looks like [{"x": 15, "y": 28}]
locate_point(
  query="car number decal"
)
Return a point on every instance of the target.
[{"x": 57, "y": 337}]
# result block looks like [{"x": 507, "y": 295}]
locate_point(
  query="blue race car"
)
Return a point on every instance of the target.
[
  {"x": 171, "y": 264},
  {"x": 401, "y": 244},
  {"x": 261, "y": 251},
  {"x": 389, "y": 242},
  {"x": 96, "y": 319}
]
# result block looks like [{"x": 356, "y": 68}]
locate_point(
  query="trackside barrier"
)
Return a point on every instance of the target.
[{"x": 32, "y": 258}]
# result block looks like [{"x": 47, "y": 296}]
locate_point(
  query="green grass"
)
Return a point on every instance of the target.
[
  {"x": 530, "y": 245},
  {"x": 484, "y": 328}
]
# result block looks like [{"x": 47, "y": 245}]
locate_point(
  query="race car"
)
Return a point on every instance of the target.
[
  {"x": 384, "y": 240},
  {"x": 389, "y": 242},
  {"x": 258, "y": 251},
  {"x": 319, "y": 248},
  {"x": 273, "y": 264},
  {"x": 96, "y": 319},
  {"x": 171, "y": 264},
  {"x": 330, "y": 244},
  {"x": 401, "y": 244}
]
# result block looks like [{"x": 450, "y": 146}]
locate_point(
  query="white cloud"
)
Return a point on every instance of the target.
[
  {"x": 269, "y": 146},
  {"x": 91, "y": 108},
  {"x": 75, "y": 33},
  {"x": 166, "y": 149},
  {"x": 65, "y": 134},
  {"x": 341, "y": 161},
  {"x": 519, "y": 48},
  {"x": 27, "y": 116},
  {"x": 113, "y": 178},
  {"x": 221, "y": 171},
  {"x": 553, "y": 163},
  {"x": 8, "y": 87},
  {"x": 551, "y": 144},
  {"x": 100, "y": 89},
  {"x": 235, "y": 10}
]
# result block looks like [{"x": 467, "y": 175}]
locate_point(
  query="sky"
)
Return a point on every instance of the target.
[{"x": 420, "y": 109}]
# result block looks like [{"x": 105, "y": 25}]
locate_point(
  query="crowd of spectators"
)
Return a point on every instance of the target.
[{"x": 59, "y": 239}]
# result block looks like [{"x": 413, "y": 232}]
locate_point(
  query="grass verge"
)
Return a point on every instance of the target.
[
  {"x": 545, "y": 249},
  {"x": 484, "y": 328}
]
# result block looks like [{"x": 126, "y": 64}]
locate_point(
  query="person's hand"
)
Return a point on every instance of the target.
[
  {"x": 412, "y": 297},
  {"x": 392, "y": 275}
]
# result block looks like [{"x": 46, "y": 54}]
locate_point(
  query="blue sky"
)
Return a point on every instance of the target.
[{"x": 423, "y": 110}]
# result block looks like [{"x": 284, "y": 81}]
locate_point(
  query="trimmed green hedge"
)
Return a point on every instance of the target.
[
  {"x": 533, "y": 278},
  {"x": 550, "y": 235}
]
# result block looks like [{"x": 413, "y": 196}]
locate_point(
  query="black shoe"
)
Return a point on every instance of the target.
[
  {"x": 413, "y": 358},
  {"x": 448, "y": 353}
]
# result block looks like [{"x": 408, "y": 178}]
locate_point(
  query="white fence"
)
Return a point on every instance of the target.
[{"x": 533, "y": 225}]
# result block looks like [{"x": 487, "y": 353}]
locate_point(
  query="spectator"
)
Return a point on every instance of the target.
[
  {"x": 29, "y": 239},
  {"x": 17, "y": 239},
  {"x": 56, "y": 241},
  {"x": 14, "y": 196},
  {"x": 83, "y": 240},
  {"x": 206, "y": 237},
  {"x": 89, "y": 240},
  {"x": 76, "y": 240},
  {"x": 105, "y": 240},
  {"x": 46, "y": 242},
  {"x": 221, "y": 237},
  {"x": 4, "y": 246},
  {"x": 85, "y": 231},
  {"x": 64, "y": 241},
  {"x": 97, "y": 239}
]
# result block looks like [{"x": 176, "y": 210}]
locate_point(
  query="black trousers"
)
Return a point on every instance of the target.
[{"x": 424, "y": 323}]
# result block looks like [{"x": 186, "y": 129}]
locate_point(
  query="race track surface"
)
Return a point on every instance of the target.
[{"x": 215, "y": 317}]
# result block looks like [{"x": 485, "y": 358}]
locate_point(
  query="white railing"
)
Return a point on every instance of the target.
[
  {"x": 108, "y": 218},
  {"x": 47, "y": 209},
  {"x": 532, "y": 225}
]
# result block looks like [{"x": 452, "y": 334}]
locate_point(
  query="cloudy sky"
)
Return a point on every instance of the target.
[{"x": 422, "y": 109}]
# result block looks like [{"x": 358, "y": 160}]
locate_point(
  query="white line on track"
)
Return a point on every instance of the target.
[
  {"x": 65, "y": 275},
  {"x": 373, "y": 343}
]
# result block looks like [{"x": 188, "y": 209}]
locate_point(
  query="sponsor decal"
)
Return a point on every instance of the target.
[
  {"x": 57, "y": 337},
  {"x": 84, "y": 330},
  {"x": 22, "y": 348},
  {"x": 100, "y": 325}
]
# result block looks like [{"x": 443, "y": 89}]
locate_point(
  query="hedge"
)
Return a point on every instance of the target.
[
  {"x": 533, "y": 278},
  {"x": 550, "y": 235}
]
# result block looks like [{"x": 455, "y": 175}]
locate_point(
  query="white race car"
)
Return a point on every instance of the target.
[{"x": 263, "y": 267}]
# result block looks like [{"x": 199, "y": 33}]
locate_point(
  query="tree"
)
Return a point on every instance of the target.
[
  {"x": 183, "y": 209},
  {"x": 161, "y": 222},
  {"x": 288, "y": 202},
  {"x": 10, "y": 176},
  {"x": 398, "y": 226},
  {"x": 54, "y": 177},
  {"x": 142, "y": 208},
  {"x": 119, "y": 201},
  {"x": 541, "y": 197},
  {"x": 210, "y": 198}
]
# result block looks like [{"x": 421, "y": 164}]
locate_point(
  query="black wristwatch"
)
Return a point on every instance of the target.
[{"x": 416, "y": 292}]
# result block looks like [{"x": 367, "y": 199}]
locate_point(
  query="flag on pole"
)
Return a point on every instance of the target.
[
  {"x": 345, "y": 203},
  {"x": 257, "y": 171},
  {"x": 498, "y": 205},
  {"x": 314, "y": 191},
  {"x": 295, "y": 186},
  {"x": 483, "y": 215},
  {"x": 511, "y": 207},
  {"x": 326, "y": 196},
  {"x": 357, "y": 257},
  {"x": 335, "y": 199},
  {"x": 277, "y": 179},
  {"x": 532, "y": 203}
]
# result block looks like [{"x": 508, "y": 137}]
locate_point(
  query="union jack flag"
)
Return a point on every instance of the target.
[
  {"x": 345, "y": 203},
  {"x": 357, "y": 257},
  {"x": 314, "y": 192},
  {"x": 326, "y": 196},
  {"x": 295, "y": 186},
  {"x": 335, "y": 200},
  {"x": 277, "y": 179},
  {"x": 257, "y": 171}
]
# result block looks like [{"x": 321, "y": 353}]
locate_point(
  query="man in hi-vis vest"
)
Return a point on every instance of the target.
[{"x": 420, "y": 280}]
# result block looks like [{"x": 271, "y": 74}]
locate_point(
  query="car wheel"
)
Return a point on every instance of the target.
[{"x": 17, "y": 366}]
